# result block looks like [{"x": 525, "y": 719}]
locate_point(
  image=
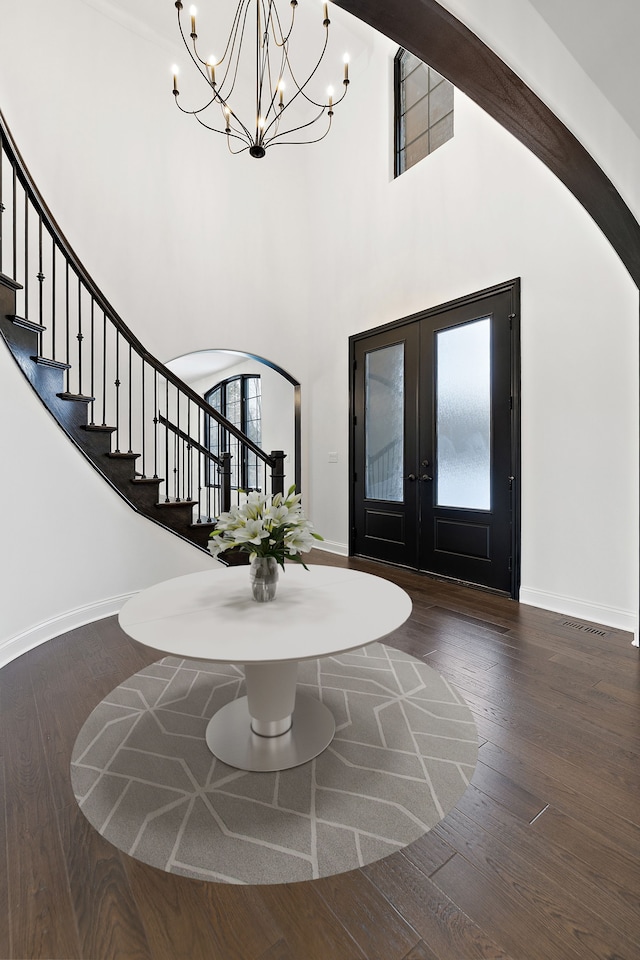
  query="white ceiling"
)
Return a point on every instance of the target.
[
  {"x": 603, "y": 36},
  {"x": 204, "y": 363}
]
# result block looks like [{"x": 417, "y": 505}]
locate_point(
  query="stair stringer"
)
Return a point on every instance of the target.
[{"x": 70, "y": 413}]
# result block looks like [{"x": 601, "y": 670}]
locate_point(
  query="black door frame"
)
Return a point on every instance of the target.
[{"x": 513, "y": 288}]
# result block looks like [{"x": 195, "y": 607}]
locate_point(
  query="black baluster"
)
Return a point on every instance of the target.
[
  {"x": 176, "y": 469},
  {"x": 26, "y": 256},
  {"x": 92, "y": 391},
  {"x": 54, "y": 250},
  {"x": 117, "y": 386},
  {"x": 79, "y": 337},
  {"x": 277, "y": 471},
  {"x": 15, "y": 225},
  {"x": 225, "y": 482},
  {"x": 144, "y": 447},
  {"x": 155, "y": 424},
  {"x": 130, "y": 393},
  {"x": 200, "y": 456},
  {"x": 166, "y": 440},
  {"x": 66, "y": 301},
  {"x": 189, "y": 454},
  {"x": 40, "y": 282},
  {"x": 104, "y": 369},
  {"x": 2, "y": 206},
  {"x": 184, "y": 446}
]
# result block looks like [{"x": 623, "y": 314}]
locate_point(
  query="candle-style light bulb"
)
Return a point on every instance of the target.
[
  {"x": 227, "y": 114},
  {"x": 193, "y": 11},
  {"x": 175, "y": 71},
  {"x": 330, "y": 92},
  {"x": 346, "y": 59},
  {"x": 281, "y": 89},
  {"x": 325, "y": 7},
  {"x": 212, "y": 69}
]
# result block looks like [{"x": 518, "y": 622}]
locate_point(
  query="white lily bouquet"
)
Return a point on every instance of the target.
[{"x": 265, "y": 526}]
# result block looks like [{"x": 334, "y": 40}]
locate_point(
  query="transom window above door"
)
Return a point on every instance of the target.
[{"x": 423, "y": 110}]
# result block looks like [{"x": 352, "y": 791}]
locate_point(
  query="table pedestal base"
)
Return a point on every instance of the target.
[{"x": 230, "y": 737}]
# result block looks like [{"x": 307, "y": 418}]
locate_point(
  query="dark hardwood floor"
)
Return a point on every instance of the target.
[{"x": 540, "y": 860}]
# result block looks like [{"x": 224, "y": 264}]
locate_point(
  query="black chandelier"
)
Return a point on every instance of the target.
[{"x": 273, "y": 75}]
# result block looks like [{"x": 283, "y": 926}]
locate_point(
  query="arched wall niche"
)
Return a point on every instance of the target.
[{"x": 437, "y": 37}]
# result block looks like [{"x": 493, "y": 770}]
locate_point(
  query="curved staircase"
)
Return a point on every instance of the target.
[{"x": 141, "y": 427}]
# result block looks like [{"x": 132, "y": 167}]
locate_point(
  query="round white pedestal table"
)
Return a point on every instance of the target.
[{"x": 316, "y": 613}]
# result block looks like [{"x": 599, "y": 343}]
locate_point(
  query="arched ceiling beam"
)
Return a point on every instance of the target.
[{"x": 437, "y": 37}]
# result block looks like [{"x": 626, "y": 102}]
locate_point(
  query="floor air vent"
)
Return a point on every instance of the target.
[{"x": 581, "y": 626}]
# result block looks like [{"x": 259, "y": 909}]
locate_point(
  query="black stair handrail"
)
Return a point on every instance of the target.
[{"x": 8, "y": 144}]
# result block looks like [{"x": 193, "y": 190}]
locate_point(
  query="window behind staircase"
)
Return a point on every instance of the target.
[{"x": 239, "y": 400}]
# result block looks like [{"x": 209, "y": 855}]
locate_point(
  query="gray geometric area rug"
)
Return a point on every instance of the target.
[{"x": 404, "y": 752}]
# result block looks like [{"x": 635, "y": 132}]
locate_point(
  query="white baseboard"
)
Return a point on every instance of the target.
[
  {"x": 583, "y": 609},
  {"x": 48, "y": 629},
  {"x": 332, "y": 546}
]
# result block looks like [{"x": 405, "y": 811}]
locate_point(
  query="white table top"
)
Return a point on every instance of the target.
[{"x": 212, "y": 615}]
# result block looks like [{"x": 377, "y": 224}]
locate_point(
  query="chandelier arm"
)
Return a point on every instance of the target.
[
  {"x": 216, "y": 99},
  {"x": 300, "y": 143},
  {"x": 236, "y": 152},
  {"x": 194, "y": 113},
  {"x": 246, "y": 132},
  {"x": 194, "y": 56},
  {"x": 263, "y": 61},
  {"x": 224, "y": 98},
  {"x": 285, "y": 40},
  {"x": 276, "y": 114},
  {"x": 302, "y": 126},
  {"x": 300, "y": 88},
  {"x": 233, "y": 32},
  {"x": 236, "y": 136},
  {"x": 273, "y": 90}
]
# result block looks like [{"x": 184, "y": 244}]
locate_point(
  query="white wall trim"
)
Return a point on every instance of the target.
[
  {"x": 332, "y": 546},
  {"x": 48, "y": 629},
  {"x": 597, "y": 613}
]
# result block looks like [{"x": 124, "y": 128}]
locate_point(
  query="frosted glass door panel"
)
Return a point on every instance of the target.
[
  {"x": 463, "y": 416},
  {"x": 384, "y": 423}
]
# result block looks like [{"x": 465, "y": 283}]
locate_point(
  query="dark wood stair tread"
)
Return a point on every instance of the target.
[
  {"x": 75, "y": 396},
  {"x": 148, "y": 480},
  {"x": 9, "y": 282},
  {"x": 27, "y": 324},
  {"x": 119, "y": 455},
  {"x": 46, "y": 362},
  {"x": 98, "y": 428},
  {"x": 177, "y": 503}
]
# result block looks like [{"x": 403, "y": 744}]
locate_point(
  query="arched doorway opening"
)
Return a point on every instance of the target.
[{"x": 202, "y": 370}]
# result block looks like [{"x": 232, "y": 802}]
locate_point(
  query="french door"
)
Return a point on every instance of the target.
[{"x": 435, "y": 441}]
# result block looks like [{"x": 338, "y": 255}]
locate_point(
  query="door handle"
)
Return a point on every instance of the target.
[
  {"x": 411, "y": 476},
  {"x": 425, "y": 476}
]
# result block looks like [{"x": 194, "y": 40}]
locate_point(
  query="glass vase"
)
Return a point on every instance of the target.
[{"x": 263, "y": 574}]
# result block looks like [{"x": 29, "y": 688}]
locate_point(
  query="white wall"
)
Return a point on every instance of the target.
[
  {"x": 73, "y": 550},
  {"x": 479, "y": 211},
  {"x": 294, "y": 253}
]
